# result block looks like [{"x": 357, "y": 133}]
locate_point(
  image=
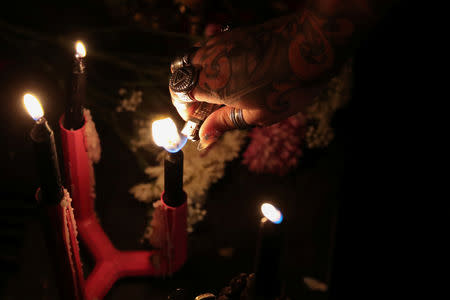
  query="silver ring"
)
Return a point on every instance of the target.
[
  {"x": 183, "y": 77},
  {"x": 179, "y": 62},
  {"x": 183, "y": 61},
  {"x": 182, "y": 82},
  {"x": 237, "y": 118}
]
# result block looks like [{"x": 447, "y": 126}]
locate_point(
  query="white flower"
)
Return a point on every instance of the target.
[
  {"x": 131, "y": 103},
  {"x": 321, "y": 111}
]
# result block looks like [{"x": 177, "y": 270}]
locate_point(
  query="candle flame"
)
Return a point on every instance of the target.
[
  {"x": 80, "y": 49},
  {"x": 272, "y": 213},
  {"x": 33, "y": 106},
  {"x": 165, "y": 134}
]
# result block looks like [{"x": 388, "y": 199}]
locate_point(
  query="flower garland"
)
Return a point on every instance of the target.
[
  {"x": 129, "y": 103},
  {"x": 93, "y": 147},
  {"x": 320, "y": 113},
  {"x": 276, "y": 149}
]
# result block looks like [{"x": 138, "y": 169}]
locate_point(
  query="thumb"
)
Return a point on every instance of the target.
[{"x": 215, "y": 125}]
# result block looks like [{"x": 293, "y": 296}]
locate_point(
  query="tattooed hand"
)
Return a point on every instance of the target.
[{"x": 274, "y": 70}]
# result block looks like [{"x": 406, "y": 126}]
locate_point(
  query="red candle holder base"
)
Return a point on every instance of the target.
[
  {"x": 111, "y": 263},
  {"x": 169, "y": 233},
  {"x": 60, "y": 231}
]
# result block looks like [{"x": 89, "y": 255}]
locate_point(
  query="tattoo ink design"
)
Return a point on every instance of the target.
[
  {"x": 310, "y": 53},
  {"x": 276, "y": 100},
  {"x": 237, "y": 66},
  {"x": 216, "y": 68},
  {"x": 273, "y": 64},
  {"x": 338, "y": 31}
]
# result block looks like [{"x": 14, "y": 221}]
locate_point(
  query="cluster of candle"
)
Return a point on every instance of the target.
[
  {"x": 166, "y": 135},
  {"x": 43, "y": 136},
  {"x": 110, "y": 263},
  {"x": 57, "y": 218}
]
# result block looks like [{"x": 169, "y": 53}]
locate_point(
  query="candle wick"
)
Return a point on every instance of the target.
[{"x": 40, "y": 120}]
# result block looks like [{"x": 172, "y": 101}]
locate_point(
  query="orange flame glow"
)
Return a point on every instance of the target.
[
  {"x": 165, "y": 134},
  {"x": 272, "y": 213},
  {"x": 80, "y": 49},
  {"x": 33, "y": 106}
]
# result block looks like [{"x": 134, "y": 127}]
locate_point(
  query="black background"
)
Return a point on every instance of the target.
[{"x": 371, "y": 172}]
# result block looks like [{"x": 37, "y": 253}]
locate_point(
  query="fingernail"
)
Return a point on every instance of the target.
[
  {"x": 203, "y": 144},
  {"x": 207, "y": 140}
]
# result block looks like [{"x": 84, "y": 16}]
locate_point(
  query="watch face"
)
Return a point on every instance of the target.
[{"x": 183, "y": 79}]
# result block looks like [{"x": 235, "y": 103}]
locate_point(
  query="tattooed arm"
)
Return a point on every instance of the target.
[{"x": 275, "y": 70}]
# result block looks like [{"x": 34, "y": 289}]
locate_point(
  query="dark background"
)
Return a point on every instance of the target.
[{"x": 366, "y": 173}]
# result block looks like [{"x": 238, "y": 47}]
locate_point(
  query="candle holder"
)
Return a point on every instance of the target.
[
  {"x": 112, "y": 264},
  {"x": 56, "y": 214},
  {"x": 171, "y": 234},
  {"x": 60, "y": 232}
]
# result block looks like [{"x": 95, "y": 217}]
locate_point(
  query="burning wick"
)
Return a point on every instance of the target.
[
  {"x": 45, "y": 149},
  {"x": 33, "y": 106},
  {"x": 165, "y": 134},
  {"x": 80, "y": 50},
  {"x": 272, "y": 213},
  {"x": 74, "y": 118},
  {"x": 267, "y": 275}
]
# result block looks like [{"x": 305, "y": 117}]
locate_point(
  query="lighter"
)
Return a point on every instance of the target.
[
  {"x": 201, "y": 112},
  {"x": 181, "y": 83}
]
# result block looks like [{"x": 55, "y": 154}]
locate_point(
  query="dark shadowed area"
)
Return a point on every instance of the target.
[{"x": 356, "y": 175}]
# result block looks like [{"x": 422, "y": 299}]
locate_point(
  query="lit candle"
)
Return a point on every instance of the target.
[
  {"x": 46, "y": 155},
  {"x": 267, "y": 273},
  {"x": 74, "y": 118},
  {"x": 165, "y": 134}
]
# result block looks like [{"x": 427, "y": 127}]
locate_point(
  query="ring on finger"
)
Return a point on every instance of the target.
[{"x": 237, "y": 117}]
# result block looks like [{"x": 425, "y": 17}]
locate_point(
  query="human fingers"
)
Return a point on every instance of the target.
[{"x": 227, "y": 118}]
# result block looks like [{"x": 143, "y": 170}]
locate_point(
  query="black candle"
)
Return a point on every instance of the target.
[
  {"x": 165, "y": 134},
  {"x": 51, "y": 189},
  {"x": 73, "y": 118},
  {"x": 267, "y": 273},
  {"x": 173, "y": 179}
]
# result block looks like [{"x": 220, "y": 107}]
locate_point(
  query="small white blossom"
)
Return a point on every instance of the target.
[
  {"x": 131, "y": 103},
  {"x": 321, "y": 111}
]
